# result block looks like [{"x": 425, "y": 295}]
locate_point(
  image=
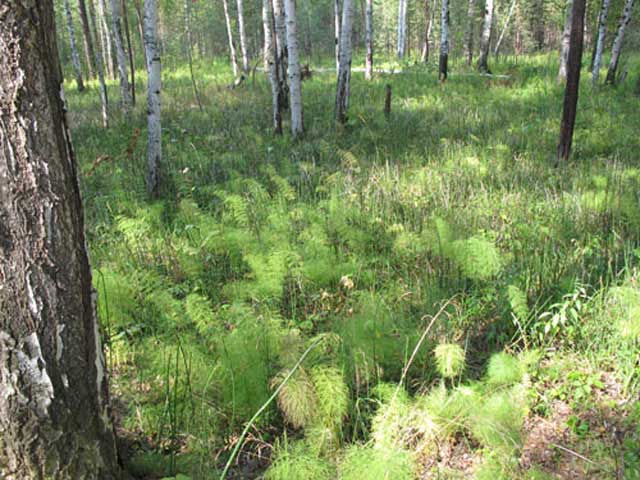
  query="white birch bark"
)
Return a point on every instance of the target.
[
  {"x": 267, "y": 43},
  {"x": 75, "y": 57},
  {"x": 468, "y": 43},
  {"x": 444, "y": 40},
  {"x": 121, "y": 56},
  {"x": 565, "y": 43},
  {"x": 243, "y": 36},
  {"x": 602, "y": 32},
  {"x": 295, "y": 81},
  {"x": 368, "y": 69},
  {"x": 105, "y": 38},
  {"x": 100, "y": 69},
  {"x": 281, "y": 51},
  {"x": 336, "y": 32},
  {"x": 617, "y": 43},
  {"x": 232, "y": 47},
  {"x": 271, "y": 58},
  {"x": 402, "y": 27},
  {"x": 154, "y": 87},
  {"x": 496, "y": 50},
  {"x": 344, "y": 74},
  {"x": 485, "y": 38}
]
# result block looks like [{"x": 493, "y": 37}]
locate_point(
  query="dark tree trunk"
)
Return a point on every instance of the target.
[
  {"x": 573, "y": 81},
  {"x": 88, "y": 41},
  {"x": 54, "y": 414},
  {"x": 132, "y": 63}
]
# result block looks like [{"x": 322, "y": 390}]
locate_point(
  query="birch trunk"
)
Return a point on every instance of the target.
[
  {"x": 602, "y": 32},
  {"x": 232, "y": 47},
  {"x": 485, "y": 38},
  {"x": 75, "y": 58},
  {"x": 54, "y": 401},
  {"x": 154, "y": 86},
  {"x": 496, "y": 50},
  {"x": 444, "y": 40},
  {"x": 271, "y": 57},
  {"x": 267, "y": 34},
  {"x": 336, "y": 32},
  {"x": 281, "y": 51},
  {"x": 402, "y": 27},
  {"x": 344, "y": 74},
  {"x": 428, "y": 22},
  {"x": 243, "y": 37},
  {"x": 573, "y": 81},
  {"x": 132, "y": 64},
  {"x": 105, "y": 38},
  {"x": 295, "y": 81},
  {"x": 88, "y": 41},
  {"x": 121, "y": 57},
  {"x": 104, "y": 101},
  {"x": 565, "y": 43},
  {"x": 468, "y": 44},
  {"x": 617, "y": 43},
  {"x": 368, "y": 69}
]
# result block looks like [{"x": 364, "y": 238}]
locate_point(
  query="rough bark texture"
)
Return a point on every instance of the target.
[
  {"x": 468, "y": 42},
  {"x": 154, "y": 145},
  {"x": 75, "y": 58},
  {"x": 402, "y": 27},
  {"x": 344, "y": 74},
  {"x": 86, "y": 34},
  {"x": 602, "y": 32},
  {"x": 617, "y": 43},
  {"x": 368, "y": 69},
  {"x": 121, "y": 57},
  {"x": 444, "y": 40},
  {"x": 271, "y": 57},
  {"x": 243, "y": 37},
  {"x": 485, "y": 38},
  {"x": 54, "y": 416},
  {"x": 565, "y": 43},
  {"x": 573, "y": 81},
  {"x": 295, "y": 81},
  {"x": 232, "y": 46}
]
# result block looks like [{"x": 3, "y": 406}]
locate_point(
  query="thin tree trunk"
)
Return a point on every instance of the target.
[
  {"x": 368, "y": 70},
  {"x": 75, "y": 58},
  {"x": 271, "y": 57},
  {"x": 154, "y": 88},
  {"x": 344, "y": 75},
  {"x": 471, "y": 18},
  {"x": 402, "y": 28},
  {"x": 444, "y": 41},
  {"x": 617, "y": 43},
  {"x": 120, "y": 56},
  {"x": 295, "y": 81},
  {"x": 281, "y": 51},
  {"x": 427, "y": 32},
  {"x": 496, "y": 50},
  {"x": 100, "y": 69},
  {"x": 189, "y": 38},
  {"x": 485, "y": 38},
  {"x": 54, "y": 402},
  {"x": 565, "y": 43},
  {"x": 86, "y": 34},
  {"x": 573, "y": 81},
  {"x": 105, "y": 38},
  {"x": 232, "y": 47},
  {"x": 602, "y": 32},
  {"x": 243, "y": 37},
  {"x": 140, "y": 21},
  {"x": 336, "y": 32},
  {"x": 267, "y": 44},
  {"x": 132, "y": 63}
]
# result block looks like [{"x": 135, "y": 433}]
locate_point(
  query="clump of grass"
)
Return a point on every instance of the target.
[
  {"x": 497, "y": 422},
  {"x": 450, "y": 359},
  {"x": 293, "y": 461},
  {"x": 367, "y": 463},
  {"x": 504, "y": 369}
]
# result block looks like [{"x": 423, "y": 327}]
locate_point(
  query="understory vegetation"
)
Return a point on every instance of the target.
[{"x": 472, "y": 311}]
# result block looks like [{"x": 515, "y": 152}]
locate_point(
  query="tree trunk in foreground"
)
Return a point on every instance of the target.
[
  {"x": 75, "y": 58},
  {"x": 154, "y": 145},
  {"x": 86, "y": 34},
  {"x": 468, "y": 42},
  {"x": 271, "y": 57},
  {"x": 232, "y": 47},
  {"x": 243, "y": 37},
  {"x": 602, "y": 32},
  {"x": 344, "y": 74},
  {"x": 617, "y": 43},
  {"x": 121, "y": 57},
  {"x": 444, "y": 40},
  {"x": 55, "y": 421},
  {"x": 565, "y": 43},
  {"x": 368, "y": 68},
  {"x": 573, "y": 81},
  {"x": 295, "y": 80},
  {"x": 485, "y": 38}
]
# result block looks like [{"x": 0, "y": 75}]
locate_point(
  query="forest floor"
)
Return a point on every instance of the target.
[{"x": 471, "y": 312}]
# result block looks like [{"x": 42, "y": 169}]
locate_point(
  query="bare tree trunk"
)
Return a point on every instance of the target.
[
  {"x": 402, "y": 28},
  {"x": 75, "y": 58},
  {"x": 471, "y": 18},
  {"x": 232, "y": 47},
  {"x": 132, "y": 63},
  {"x": 140, "y": 21},
  {"x": 496, "y": 49},
  {"x": 86, "y": 34},
  {"x": 271, "y": 57},
  {"x": 105, "y": 38},
  {"x": 444, "y": 40},
  {"x": 565, "y": 43},
  {"x": 617, "y": 43},
  {"x": 120, "y": 56},
  {"x": 243, "y": 37},
  {"x": 281, "y": 51},
  {"x": 54, "y": 402},
  {"x": 100, "y": 69},
  {"x": 485, "y": 38},
  {"x": 295, "y": 81},
  {"x": 154, "y": 87},
  {"x": 428, "y": 22},
  {"x": 573, "y": 81},
  {"x": 344, "y": 75},
  {"x": 336, "y": 32},
  {"x": 368, "y": 70},
  {"x": 602, "y": 32}
]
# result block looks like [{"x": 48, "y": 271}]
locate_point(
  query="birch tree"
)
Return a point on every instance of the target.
[
  {"x": 368, "y": 69},
  {"x": 121, "y": 57},
  {"x": 86, "y": 34},
  {"x": 281, "y": 50},
  {"x": 232, "y": 47},
  {"x": 512, "y": 8},
  {"x": 154, "y": 88},
  {"x": 428, "y": 22},
  {"x": 565, "y": 43},
  {"x": 132, "y": 63},
  {"x": 602, "y": 32},
  {"x": 75, "y": 58},
  {"x": 271, "y": 57},
  {"x": 468, "y": 42},
  {"x": 444, "y": 40},
  {"x": 617, "y": 43},
  {"x": 336, "y": 32},
  {"x": 402, "y": 27},
  {"x": 295, "y": 80},
  {"x": 104, "y": 101},
  {"x": 573, "y": 81},
  {"x": 105, "y": 39},
  {"x": 485, "y": 38},
  {"x": 344, "y": 74},
  {"x": 243, "y": 37},
  {"x": 54, "y": 401}
]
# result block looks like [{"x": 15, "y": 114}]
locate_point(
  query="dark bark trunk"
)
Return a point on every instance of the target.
[
  {"x": 573, "y": 81},
  {"x": 88, "y": 41},
  {"x": 132, "y": 66},
  {"x": 54, "y": 414}
]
